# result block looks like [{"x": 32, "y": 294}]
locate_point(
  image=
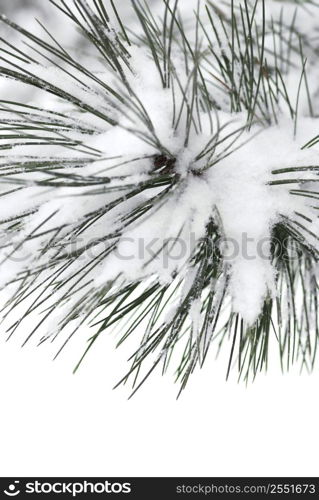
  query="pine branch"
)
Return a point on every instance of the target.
[{"x": 156, "y": 142}]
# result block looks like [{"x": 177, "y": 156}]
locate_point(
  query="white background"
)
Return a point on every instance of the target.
[{"x": 56, "y": 423}]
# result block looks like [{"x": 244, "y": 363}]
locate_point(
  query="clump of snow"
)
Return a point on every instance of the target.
[{"x": 249, "y": 207}]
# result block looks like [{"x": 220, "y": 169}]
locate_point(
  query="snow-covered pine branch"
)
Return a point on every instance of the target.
[{"x": 167, "y": 180}]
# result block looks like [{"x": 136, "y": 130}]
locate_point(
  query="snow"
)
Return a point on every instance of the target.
[
  {"x": 249, "y": 208},
  {"x": 161, "y": 242}
]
